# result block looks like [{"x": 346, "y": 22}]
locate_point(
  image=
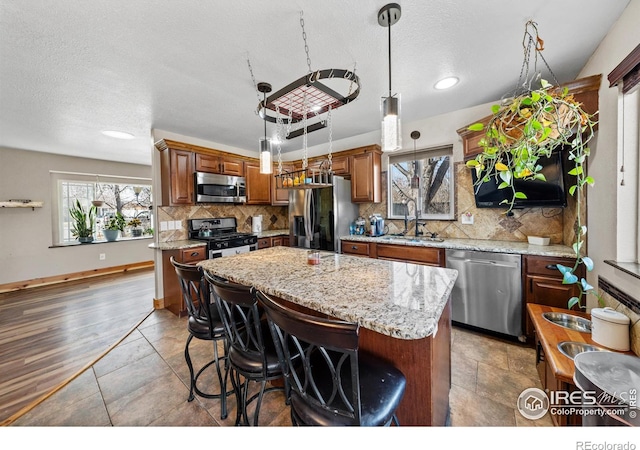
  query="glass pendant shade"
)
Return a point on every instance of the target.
[
  {"x": 265, "y": 156},
  {"x": 391, "y": 132}
]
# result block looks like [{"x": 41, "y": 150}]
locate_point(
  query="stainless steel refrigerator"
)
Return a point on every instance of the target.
[{"x": 319, "y": 216}]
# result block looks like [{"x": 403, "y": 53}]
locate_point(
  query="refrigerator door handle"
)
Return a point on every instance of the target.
[{"x": 307, "y": 216}]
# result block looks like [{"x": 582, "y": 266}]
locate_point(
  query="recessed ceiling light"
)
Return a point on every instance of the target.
[
  {"x": 118, "y": 134},
  {"x": 446, "y": 83}
]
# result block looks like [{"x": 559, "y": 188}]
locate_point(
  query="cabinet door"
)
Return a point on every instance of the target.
[
  {"x": 341, "y": 166},
  {"x": 280, "y": 197},
  {"x": 207, "y": 163},
  {"x": 418, "y": 255},
  {"x": 258, "y": 185},
  {"x": 365, "y": 178},
  {"x": 543, "y": 284},
  {"x": 276, "y": 241},
  {"x": 231, "y": 166},
  {"x": 181, "y": 174}
]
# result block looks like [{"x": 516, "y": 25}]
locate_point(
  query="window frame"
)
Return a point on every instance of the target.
[
  {"x": 422, "y": 154},
  {"x": 57, "y": 200}
]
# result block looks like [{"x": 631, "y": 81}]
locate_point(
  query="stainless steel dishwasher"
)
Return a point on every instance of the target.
[{"x": 488, "y": 291}]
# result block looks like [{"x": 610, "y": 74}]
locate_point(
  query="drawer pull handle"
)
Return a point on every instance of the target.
[
  {"x": 551, "y": 267},
  {"x": 354, "y": 247},
  {"x": 195, "y": 253}
]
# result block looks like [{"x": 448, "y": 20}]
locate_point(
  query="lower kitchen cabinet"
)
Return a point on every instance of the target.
[
  {"x": 429, "y": 256},
  {"x": 171, "y": 287},
  {"x": 355, "y": 248},
  {"x": 542, "y": 284},
  {"x": 273, "y": 241}
]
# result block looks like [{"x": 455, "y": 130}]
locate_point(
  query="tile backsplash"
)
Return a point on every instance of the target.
[
  {"x": 488, "y": 223},
  {"x": 273, "y": 217}
]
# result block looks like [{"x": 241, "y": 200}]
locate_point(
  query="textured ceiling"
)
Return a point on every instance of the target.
[{"x": 71, "y": 68}]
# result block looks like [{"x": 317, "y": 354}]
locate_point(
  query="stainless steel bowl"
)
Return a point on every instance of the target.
[
  {"x": 569, "y": 321},
  {"x": 570, "y": 349}
]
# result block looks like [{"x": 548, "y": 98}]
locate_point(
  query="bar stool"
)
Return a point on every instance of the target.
[
  {"x": 203, "y": 323},
  {"x": 336, "y": 385},
  {"x": 252, "y": 353}
]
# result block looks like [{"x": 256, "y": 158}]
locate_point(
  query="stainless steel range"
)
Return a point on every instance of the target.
[{"x": 222, "y": 236}]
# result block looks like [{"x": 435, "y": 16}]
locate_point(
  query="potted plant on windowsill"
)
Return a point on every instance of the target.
[
  {"x": 114, "y": 225},
  {"x": 531, "y": 125},
  {"x": 135, "y": 223},
  {"x": 84, "y": 222}
]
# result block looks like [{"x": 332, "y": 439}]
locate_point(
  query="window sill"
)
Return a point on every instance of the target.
[
  {"x": 629, "y": 268},
  {"x": 102, "y": 241}
]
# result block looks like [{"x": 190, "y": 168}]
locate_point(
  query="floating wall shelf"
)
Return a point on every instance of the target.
[{"x": 21, "y": 204}]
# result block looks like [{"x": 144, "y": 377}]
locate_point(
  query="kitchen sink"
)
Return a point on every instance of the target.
[
  {"x": 569, "y": 321},
  {"x": 570, "y": 349}
]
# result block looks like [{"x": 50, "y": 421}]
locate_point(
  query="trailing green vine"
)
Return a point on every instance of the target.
[{"x": 523, "y": 130}]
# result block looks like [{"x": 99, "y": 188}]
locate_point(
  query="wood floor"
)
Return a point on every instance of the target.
[{"x": 48, "y": 334}]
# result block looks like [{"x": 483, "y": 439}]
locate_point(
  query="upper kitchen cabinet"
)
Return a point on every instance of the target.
[
  {"x": 366, "y": 164},
  {"x": 584, "y": 90},
  {"x": 258, "y": 185},
  {"x": 224, "y": 165},
  {"x": 176, "y": 168}
]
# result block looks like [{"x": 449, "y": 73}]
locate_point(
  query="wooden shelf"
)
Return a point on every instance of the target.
[{"x": 20, "y": 204}]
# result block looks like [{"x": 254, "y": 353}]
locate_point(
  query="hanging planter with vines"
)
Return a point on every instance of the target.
[{"x": 528, "y": 125}]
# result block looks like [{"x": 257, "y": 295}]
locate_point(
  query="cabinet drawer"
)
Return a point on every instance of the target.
[
  {"x": 420, "y": 255},
  {"x": 188, "y": 255},
  {"x": 264, "y": 243},
  {"x": 544, "y": 265},
  {"x": 355, "y": 248}
]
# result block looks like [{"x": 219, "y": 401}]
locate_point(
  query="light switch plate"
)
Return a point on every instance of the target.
[{"x": 164, "y": 226}]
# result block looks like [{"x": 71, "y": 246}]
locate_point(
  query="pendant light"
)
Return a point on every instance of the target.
[
  {"x": 415, "y": 179},
  {"x": 390, "y": 106},
  {"x": 265, "y": 144}
]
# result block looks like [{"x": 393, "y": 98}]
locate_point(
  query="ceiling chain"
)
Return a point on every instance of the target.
[{"x": 304, "y": 38}]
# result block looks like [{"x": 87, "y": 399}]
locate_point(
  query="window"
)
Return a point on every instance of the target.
[
  {"x": 130, "y": 197},
  {"x": 422, "y": 181}
]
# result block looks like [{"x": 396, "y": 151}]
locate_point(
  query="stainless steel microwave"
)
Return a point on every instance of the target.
[{"x": 214, "y": 188}]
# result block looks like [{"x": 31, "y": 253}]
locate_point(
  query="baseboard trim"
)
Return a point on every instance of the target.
[{"x": 37, "y": 282}]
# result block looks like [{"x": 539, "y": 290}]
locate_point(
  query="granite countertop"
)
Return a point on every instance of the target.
[
  {"x": 523, "y": 248},
  {"x": 398, "y": 299},
  {"x": 178, "y": 245},
  {"x": 271, "y": 233}
]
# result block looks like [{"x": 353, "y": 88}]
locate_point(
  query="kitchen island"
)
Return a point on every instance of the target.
[{"x": 403, "y": 310}]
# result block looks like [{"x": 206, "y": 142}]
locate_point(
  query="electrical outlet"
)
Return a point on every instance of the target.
[
  {"x": 467, "y": 219},
  {"x": 103, "y": 256}
]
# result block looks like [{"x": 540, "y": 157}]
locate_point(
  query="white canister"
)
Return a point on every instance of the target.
[
  {"x": 610, "y": 328},
  {"x": 256, "y": 224}
]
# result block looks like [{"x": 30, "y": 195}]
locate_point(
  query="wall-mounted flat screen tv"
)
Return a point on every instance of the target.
[{"x": 549, "y": 194}]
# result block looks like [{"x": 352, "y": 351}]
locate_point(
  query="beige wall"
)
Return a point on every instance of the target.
[
  {"x": 26, "y": 235},
  {"x": 623, "y": 37}
]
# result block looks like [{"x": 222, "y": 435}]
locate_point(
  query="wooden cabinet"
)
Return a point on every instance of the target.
[
  {"x": 273, "y": 241},
  {"x": 355, "y": 248},
  {"x": 584, "y": 90},
  {"x": 224, "y": 165},
  {"x": 341, "y": 165},
  {"x": 171, "y": 287},
  {"x": 176, "y": 172},
  {"x": 258, "y": 185},
  {"x": 429, "y": 256},
  {"x": 280, "y": 197},
  {"x": 542, "y": 284},
  {"x": 366, "y": 176}
]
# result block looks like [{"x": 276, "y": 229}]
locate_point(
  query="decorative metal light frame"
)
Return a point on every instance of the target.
[{"x": 389, "y": 15}]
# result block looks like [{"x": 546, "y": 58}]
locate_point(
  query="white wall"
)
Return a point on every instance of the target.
[
  {"x": 623, "y": 37},
  {"x": 26, "y": 235}
]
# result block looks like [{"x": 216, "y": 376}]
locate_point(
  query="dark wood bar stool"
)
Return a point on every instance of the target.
[
  {"x": 335, "y": 385},
  {"x": 252, "y": 353},
  {"x": 203, "y": 323}
]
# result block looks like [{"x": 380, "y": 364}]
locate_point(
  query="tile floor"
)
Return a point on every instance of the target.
[{"x": 144, "y": 382}]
